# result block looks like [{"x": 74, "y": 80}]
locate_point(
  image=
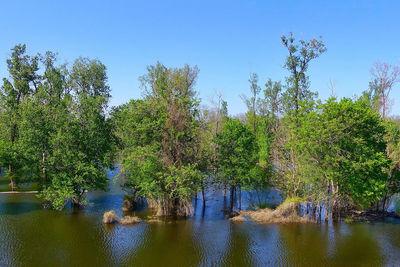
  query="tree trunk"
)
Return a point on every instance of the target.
[
  {"x": 320, "y": 213},
  {"x": 224, "y": 191},
  {"x": 326, "y": 211},
  {"x": 240, "y": 198},
  {"x": 44, "y": 168},
  {"x": 314, "y": 211},
  {"x": 12, "y": 183},
  {"x": 203, "y": 194},
  {"x": 231, "y": 197}
]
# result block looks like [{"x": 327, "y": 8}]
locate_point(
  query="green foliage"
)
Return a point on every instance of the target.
[
  {"x": 300, "y": 55},
  {"x": 343, "y": 142},
  {"x": 54, "y": 125},
  {"x": 236, "y": 149},
  {"x": 55, "y": 129},
  {"x": 159, "y": 138}
]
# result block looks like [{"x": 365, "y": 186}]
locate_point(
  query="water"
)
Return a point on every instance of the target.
[{"x": 33, "y": 236}]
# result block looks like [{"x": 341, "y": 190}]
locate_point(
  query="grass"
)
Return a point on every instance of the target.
[
  {"x": 287, "y": 212},
  {"x": 238, "y": 219},
  {"x": 129, "y": 220},
  {"x": 110, "y": 217}
]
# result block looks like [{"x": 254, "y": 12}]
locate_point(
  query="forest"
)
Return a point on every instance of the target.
[{"x": 57, "y": 129}]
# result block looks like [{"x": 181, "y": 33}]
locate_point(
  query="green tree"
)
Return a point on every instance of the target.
[
  {"x": 23, "y": 82},
  {"x": 343, "y": 153},
  {"x": 166, "y": 127},
  {"x": 82, "y": 142},
  {"x": 236, "y": 150},
  {"x": 297, "y": 63}
]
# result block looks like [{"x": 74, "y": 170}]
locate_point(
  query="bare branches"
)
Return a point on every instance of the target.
[{"x": 385, "y": 77}]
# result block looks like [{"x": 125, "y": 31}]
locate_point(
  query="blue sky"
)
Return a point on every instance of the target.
[{"x": 225, "y": 39}]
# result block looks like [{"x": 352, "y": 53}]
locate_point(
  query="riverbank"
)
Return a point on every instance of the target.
[{"x": 20, "y": 192}]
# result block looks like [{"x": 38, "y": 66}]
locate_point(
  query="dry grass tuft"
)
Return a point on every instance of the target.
[
  {"x": 238, "y": 219},
  {"x": 285, "y": 213},
  {"x": 129, "y": 220},
  {"x": 110, "y": 217}
]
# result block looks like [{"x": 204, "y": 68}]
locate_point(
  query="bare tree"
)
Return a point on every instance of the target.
[
  {"x": 332, "y": 87},
  {"x": 385, "y": 77}
]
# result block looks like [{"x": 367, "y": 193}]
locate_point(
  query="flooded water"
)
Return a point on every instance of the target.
[{"x": 33, "y": 236}]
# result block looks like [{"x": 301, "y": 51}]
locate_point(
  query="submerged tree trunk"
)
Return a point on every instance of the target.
[
  {"x": 232, "y": 193},
  {"x": 320, "y": 213},
  {"x": 168, "y": 207},
  {"x": 240, "y": 198},
  {"x": 326, "y": 214},
  {"x": 203, "y": 194},
  {"x": 314, "y": 212},
  {"x": 224, "y": 192}
]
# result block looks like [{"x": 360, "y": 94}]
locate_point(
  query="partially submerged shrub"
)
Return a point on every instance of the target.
[
  {"x": 129, "y": 220},
  {"x": 110, "y": 217},
  {"x": 287, "y": 212},
  {"x": 238, "y": 218}
]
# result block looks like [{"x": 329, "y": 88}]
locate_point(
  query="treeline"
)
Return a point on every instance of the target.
[{"x": 337, "y": 154}]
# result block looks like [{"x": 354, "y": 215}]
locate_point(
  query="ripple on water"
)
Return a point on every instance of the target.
[{"x": 31, "y": 236}]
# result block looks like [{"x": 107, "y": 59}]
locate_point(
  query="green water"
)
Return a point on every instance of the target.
[{"x": 33, "y": 236}]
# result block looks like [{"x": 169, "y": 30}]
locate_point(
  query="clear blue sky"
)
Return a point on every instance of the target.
[{"x": 225, "y": 39}]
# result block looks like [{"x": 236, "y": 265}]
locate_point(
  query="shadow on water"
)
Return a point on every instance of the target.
[{"x": 17, "y": 208}]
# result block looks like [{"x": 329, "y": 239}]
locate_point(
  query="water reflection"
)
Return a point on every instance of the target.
[{"x": 32, "y": 236}]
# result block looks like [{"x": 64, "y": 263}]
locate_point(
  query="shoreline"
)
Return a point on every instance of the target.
[
  {"x": 369, "y": 216},
  {"x": 20, "y": 192}
]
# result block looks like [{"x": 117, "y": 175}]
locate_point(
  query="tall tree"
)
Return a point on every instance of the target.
[
  {"x": 385, "y": 76},
  {"x": 23, "y": 82},
  {"x": 297, "y": 62},
  {"x": 252, "y": 102},
  {"x": 82, "y": 142},
  {"x": 163, "y": 167}
]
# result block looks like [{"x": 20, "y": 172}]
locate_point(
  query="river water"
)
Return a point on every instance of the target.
[{"x": 33, "y": 236}]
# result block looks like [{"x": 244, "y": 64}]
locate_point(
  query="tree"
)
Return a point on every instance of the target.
[
  {"x": 343, "y": 153},
  {"x": 252, "y": 102},
  {"x": 385, "y": 76},
  {"x": 167, "y": 123},
  {"x": 236, "y": 150},
  {"x": 23, "y": 82},
  {"x": 392, "y": 139},
  {"x": 81, "y": 143},
  {"x": 273, "y": 99},
  {"x": 297, "y": 63}
]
